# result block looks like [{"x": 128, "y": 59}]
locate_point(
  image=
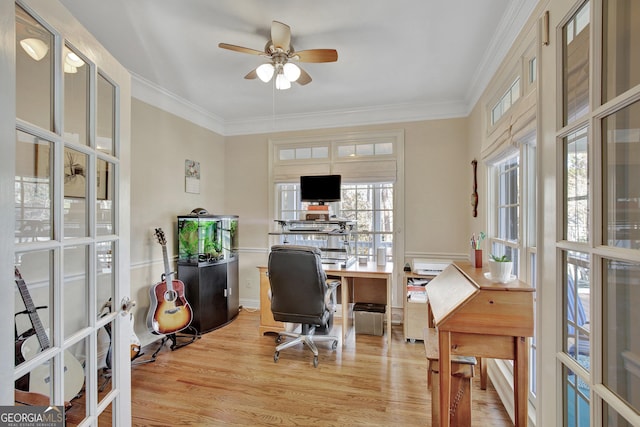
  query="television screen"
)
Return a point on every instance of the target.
[{"x": 320, "y": 188}]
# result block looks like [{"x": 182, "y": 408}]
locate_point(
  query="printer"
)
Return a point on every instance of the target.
[{"x": 429, "y": 267}]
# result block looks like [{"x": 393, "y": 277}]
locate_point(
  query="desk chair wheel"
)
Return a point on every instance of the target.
[
  {"x": 276, "y": 356},
  {"x": 315, "y": 361},
  {"x": 278, "y": 339},
  {"x": 334, "y": 345}
]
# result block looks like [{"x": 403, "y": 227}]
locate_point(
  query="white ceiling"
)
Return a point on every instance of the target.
[{"x": 398, "y": 60}]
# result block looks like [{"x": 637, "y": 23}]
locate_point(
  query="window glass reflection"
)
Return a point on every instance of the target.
[
  {"x": 576, "y": 65},
  {"x": 576, "y": 399},
  {"x": 576, "y": 181},
  {"x": 75, "y": 193},
  {"x": 621, "y": 346},
  {"x": 34, "y": 71},
  {"x": 621, "y": 176},
  {"x": 76, "y": 97},
  {"x": 577, "y": 293},
  {"x": 105, "y": 219},
  {"x": 620, "y": 63},
  {"x": 33, "y": 189},
  {"x": 105, "y": 118},
  {"x": 105, "y": 254},
  {"x": 76, "y": 289}
]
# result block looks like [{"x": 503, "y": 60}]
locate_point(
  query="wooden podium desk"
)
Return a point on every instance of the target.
[
  {"x": 369, "y": 283},
  {"x": 477, "y": 317}
]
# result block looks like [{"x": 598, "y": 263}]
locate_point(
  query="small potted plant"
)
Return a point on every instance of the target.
[{"x": 500, "y": 268}]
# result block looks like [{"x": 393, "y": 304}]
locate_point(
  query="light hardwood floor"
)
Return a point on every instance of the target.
[{"x": 228, "y": 377}]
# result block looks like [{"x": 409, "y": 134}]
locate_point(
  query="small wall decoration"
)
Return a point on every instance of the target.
[
  {"x": 474, "y": 194},
  {"x": 191, "y": 176}
]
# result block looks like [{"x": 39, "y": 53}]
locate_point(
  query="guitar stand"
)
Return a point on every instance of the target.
[{"x": 190, "y": 334}]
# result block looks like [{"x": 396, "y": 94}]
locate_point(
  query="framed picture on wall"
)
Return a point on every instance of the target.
[{"x": 75, "y": 169}]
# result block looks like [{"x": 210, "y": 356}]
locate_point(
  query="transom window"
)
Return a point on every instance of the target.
[{"x": 508, "y": 99}]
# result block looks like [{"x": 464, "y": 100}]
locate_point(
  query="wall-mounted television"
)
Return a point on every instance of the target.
[{"x": 320, "y": 188}]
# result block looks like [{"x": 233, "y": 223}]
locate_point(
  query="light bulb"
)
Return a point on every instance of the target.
[
  {"x": 265, "y": 72},
  {"x": 70, "y": 69},
  {"x": 291, "y": 71},
  {"x": 72, "y": 59},
  {"x": 282, "y": 83},
  {"x": 35, "y": 48}
]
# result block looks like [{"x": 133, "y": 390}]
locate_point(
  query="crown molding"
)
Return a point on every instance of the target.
[
  {"x": 152, "y": 94},
  {"x": 512, "y": 23},
  {"x": 347, "y": 117}
]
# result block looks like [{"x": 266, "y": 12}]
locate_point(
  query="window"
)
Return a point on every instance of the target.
[
  {"x": 370, "y": 205},
  {"x": 508, "y": 99},
  {"x": 505, "y": 237},
  {"x": 512, "y": 230}
]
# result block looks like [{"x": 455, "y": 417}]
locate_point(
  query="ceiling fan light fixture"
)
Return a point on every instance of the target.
[
  {"x": 72, "y": 59},
  {"x": 70, "y": 69},
  {"x": 35, "y": 48},
  {"x": 282, "y": 83},
  {"x": 265, "y": 72},
  {"x": 291, "y": 71}
]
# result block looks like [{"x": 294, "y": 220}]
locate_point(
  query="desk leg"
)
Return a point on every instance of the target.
[
  {"x": 444, "y": 365},
  {"x": 521, "y": 381},
  {"x": 344, "y": 299},
  {"x": 483, "y": 373}
]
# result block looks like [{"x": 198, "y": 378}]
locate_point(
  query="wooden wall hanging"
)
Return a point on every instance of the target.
[{"x": 474, "y": 195}]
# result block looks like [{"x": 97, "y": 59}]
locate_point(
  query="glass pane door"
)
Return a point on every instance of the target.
[{"x": 70, "y": 269}]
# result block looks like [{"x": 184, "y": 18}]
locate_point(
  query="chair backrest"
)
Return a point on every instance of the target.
[{"x": 298, "y": 285}]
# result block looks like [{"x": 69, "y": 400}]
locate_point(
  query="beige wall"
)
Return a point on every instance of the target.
[
  {"x": 160, "y": 143},
  {"x": 437, "y": 190}
]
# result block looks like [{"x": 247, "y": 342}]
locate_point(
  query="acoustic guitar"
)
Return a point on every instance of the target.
[
  {"x": 169, "y": 311},
  {"x": 39, "y": 379}
]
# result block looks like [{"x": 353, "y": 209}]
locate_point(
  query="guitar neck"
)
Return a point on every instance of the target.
[
  {"x": 43, "y": 340},
  {"x": 167, "y": 269}
]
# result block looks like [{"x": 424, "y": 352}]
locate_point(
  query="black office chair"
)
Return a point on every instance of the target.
[{"x": 300, "y": 293}]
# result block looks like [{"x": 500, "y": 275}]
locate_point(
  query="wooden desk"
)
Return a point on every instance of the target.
[
  {"x": 351, "y": 290},
  {"x": 476, "y": 317}
]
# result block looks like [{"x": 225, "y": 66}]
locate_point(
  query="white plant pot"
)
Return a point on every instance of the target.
[{"x": 500, "y": 271}]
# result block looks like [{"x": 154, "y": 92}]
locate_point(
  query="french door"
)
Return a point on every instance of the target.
[{"x": 68, "y": 181}]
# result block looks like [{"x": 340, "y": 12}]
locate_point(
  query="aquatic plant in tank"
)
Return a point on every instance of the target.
[
  {"x": 188, "y": 239},
  {"x": 211, "y": 245},
  {"x": 233, "y": 231},
  {"x": 198, "y": 240}
]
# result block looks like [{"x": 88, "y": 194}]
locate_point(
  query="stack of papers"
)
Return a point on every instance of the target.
[
  {"x": 416, "y": 291},
  {"x": 418, "y": 296}
]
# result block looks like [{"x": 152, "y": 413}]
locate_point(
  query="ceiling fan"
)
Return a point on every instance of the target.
[{"x": 281, "y": 57}]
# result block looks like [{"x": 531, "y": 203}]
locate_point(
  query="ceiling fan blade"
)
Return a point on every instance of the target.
[
  {"x": 251, "y": 74},
  {"x": 281, "y": 36},
  {"x": 317, "y": 55},
  {"x": 240, "y": 49},
  {"x": 304, "y": 78}
]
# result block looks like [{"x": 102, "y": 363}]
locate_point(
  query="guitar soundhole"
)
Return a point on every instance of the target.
[{"x": 170, "y": 295}]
